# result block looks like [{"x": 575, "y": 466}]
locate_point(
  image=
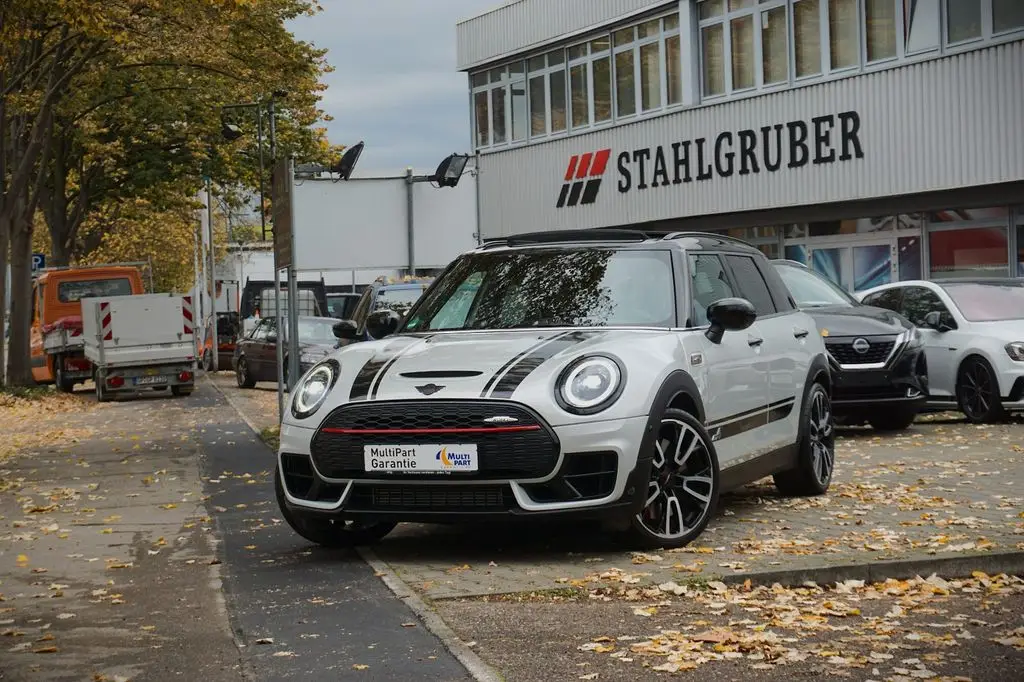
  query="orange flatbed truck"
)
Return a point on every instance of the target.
[{"x": 58, "y": 355}]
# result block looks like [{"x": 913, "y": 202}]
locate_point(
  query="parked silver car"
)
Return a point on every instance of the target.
[{"x": 618, "y": 374}]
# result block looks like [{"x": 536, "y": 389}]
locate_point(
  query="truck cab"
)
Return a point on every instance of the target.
[{"x": 57, "y": 342}]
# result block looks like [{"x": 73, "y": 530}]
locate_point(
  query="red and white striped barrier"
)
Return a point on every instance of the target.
[
  {"x": 108, "y": 333},
  {"x": 186, "y": 312}
]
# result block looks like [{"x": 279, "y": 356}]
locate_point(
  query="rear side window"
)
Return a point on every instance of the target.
[
  {"x": 891, "y": 299},
  {"x": 708, "y": 283},
  {"x": 751, "y": 284},
  {"x": 72, "y": 292}
]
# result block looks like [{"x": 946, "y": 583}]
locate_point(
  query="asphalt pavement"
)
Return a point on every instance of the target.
[{"x": 299, "y": 611}]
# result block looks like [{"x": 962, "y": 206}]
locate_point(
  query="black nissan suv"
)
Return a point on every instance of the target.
[{"x": 880, "y": 375}]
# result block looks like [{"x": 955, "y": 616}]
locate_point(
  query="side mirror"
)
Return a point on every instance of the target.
[
  {"x": 382, "y": 323},
  {"x": 346, "y": 330},
  {"x": 729, "y": 315},
  {"x": 933, "y": 320},
  {"x": 272, "y": 337}
]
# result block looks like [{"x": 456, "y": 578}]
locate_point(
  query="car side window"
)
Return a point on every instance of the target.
[
  {"x": 919, "y": 301},
  {"x": 890, "y": 299},
  {"x": 751, "y": 284},
  {"x": 363, "y": 307},
  {"x": 260, "y": 332},
  {"x": 708, "y": 283}
]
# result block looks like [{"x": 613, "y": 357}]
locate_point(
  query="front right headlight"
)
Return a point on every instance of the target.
[
  {"x": 314, "y": 388},
  {"x": 1016, "y": 350}
]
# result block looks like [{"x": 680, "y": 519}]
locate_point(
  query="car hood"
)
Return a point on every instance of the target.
[
  {"x": 861, "y": 320},
  {"x": 1007, "y": 331}
]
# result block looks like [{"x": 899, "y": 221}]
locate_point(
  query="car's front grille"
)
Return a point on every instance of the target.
[
  {"x": 511, "y": 440},
  {"x": 845, "y": 352},
  {"x": 430, "y": 498}
]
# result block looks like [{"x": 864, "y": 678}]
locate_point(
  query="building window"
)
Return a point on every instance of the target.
[
  {"x": 880, "y": 29},
  {"x": 1007, "y": 15},
  {"x": 499, "y": 105},
  {"x": 963, "y": 20},
  {"x": 843, "y": 34},
  {"x": 807, "y": 37},
  {"x": 774, "y": 46},
  {"x": 546, "y": 86},
  {"x": 648, "y": 66},
  {"x": 590, "y": 82},
  {"x": 921, "y": 20},
  {"x": 1020, "y": 250},
  {"x": 518, "y": 103}
]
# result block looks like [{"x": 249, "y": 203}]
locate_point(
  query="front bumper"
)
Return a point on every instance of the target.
[
  {"x": 1014, "y": 400},
  {"x": 597, "y": 473},
  {"x": 901, "y": 381}
]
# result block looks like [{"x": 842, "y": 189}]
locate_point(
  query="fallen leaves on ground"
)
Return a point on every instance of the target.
[{"x": 845, "y": 626}]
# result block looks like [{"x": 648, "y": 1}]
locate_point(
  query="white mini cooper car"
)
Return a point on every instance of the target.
[{"x": 604, "y": 373}]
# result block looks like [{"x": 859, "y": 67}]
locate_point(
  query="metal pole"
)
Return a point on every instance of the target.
[
  {"x": 263, "y": 204},
  {"x": 277, "y": 276},
  {"x": 293, "y": 287},
  {"x": 213, "y": 278},
  {"x": 410, "y": 220}
]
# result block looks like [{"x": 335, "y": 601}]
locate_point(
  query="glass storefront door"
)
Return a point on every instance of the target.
[{"x": 855, "y": 267}]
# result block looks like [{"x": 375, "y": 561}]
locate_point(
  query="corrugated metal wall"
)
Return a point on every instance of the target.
[
  {"x": 940, "y": 124},
  {"x": 520, "y": 25}
]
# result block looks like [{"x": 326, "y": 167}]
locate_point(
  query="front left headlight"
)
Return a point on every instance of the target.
[
  {"x": 314, "y": 388},
  {"x": 1016, "y": 350},
  {"x": 589, "y": 384}
]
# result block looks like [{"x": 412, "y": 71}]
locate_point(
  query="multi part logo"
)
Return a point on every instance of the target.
[
  {"x": 583, "y": 178},
  {"x": 454, "y": 460}
]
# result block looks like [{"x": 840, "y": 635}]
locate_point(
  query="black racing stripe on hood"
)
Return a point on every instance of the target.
[
  {"x": 516, "y": 358},
  {"x": 522, "y": 369},
  {"x": 388, "y": 365},
  {"x": 364, "y": 379}
]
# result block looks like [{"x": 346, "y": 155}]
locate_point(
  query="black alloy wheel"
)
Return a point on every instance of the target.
[{"x": 977, "y": 392}]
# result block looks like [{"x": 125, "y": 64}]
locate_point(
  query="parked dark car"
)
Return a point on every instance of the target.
[
  {"x": 879, "y": 370},
  {"x": 255, "y": 356},
  {"x": 395, "y": 296}
]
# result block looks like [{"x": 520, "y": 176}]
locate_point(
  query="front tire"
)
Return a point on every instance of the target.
[
  {"x": 817, "y": 448},
  {"x": 977, "y": 392},
  {"x": 327, "y": 531},
  {"x": 102, "y": 394},
  {"x": 64, "y": 385},
  {"x": 242, "y": 375},
  {"x": 682, "y": 491},
  {"x": 897, "y": 419}
]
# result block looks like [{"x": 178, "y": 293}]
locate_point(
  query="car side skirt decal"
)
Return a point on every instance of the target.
[
  {"x": 749, "y": 420},
  {"x": 517, "y": 374}
]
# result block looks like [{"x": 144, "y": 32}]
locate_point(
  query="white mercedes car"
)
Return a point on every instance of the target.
[
  {"x": 618, "y": 374},
  {"x": 973, "y": 332}
]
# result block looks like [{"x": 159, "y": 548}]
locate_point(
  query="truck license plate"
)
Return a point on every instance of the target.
[{"x": 149, "y": 381}]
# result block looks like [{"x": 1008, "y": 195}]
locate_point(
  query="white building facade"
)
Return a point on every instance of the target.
[{"x": 874, "y": 140}]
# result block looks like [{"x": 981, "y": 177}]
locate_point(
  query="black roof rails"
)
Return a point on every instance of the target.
[
  {"x": 597, "y": 234},
  {"x": 707, "y": 235}
]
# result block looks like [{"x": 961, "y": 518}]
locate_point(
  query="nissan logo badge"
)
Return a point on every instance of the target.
[{"x": 861, "y": 346}]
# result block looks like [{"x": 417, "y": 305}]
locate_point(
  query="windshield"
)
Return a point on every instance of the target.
[
  {"x": 811, "y": 290},
  {"x": 73, "y": 291},
  {"x": 583, "y": 287},
  {"x": 398, "y": 300},
  {"x": 316, "y": 330},
  {"x": 979, "y": 302}
]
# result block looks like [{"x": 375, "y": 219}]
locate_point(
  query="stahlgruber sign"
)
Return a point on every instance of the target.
[{"x": 823, "y": 140}]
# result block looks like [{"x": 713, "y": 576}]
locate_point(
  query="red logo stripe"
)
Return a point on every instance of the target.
[
  {"x": 600, "y": 162},
  {"x": 571, "y": 170},
  {"x": 584, "y": 168}
]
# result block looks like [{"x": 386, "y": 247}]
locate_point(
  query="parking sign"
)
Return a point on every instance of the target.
[{"x": 38, "y": 261}]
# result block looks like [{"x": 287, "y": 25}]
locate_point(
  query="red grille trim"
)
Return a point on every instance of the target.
[{"x": 485, "y": 429}]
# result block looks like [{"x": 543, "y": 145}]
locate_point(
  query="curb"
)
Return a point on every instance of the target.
[
  {"x": 474, "y": 665},
  {"x": 477, "y": 668},
  {"x": 959, "y": 566}
]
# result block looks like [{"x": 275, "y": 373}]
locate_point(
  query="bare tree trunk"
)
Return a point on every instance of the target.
[{"x": 19, "y": 367}]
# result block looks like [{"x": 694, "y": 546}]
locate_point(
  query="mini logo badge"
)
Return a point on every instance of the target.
[
  {"x": 429, "y": 389},
  {"x": 500, "y": 419},
  {"x": 583, "y": 178},
  {"x": 861, "y": 346}
]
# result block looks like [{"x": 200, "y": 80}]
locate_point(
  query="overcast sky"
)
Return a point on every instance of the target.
[{"x": 395, "y": 85}]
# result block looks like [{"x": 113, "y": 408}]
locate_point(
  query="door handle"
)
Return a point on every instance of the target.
[
  {"x": 754, "y": 342},
  {"x": 799, "y": 333}
]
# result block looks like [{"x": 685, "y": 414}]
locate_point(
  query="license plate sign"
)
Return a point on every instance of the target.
[
  {"x": 149, "y": 381},
  {"x": 420, "y": 459}
]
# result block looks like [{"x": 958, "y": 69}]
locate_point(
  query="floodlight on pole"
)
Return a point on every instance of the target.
[
  {"x": 348, "y": 161},
  {"x": 450, "y": 170}
]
